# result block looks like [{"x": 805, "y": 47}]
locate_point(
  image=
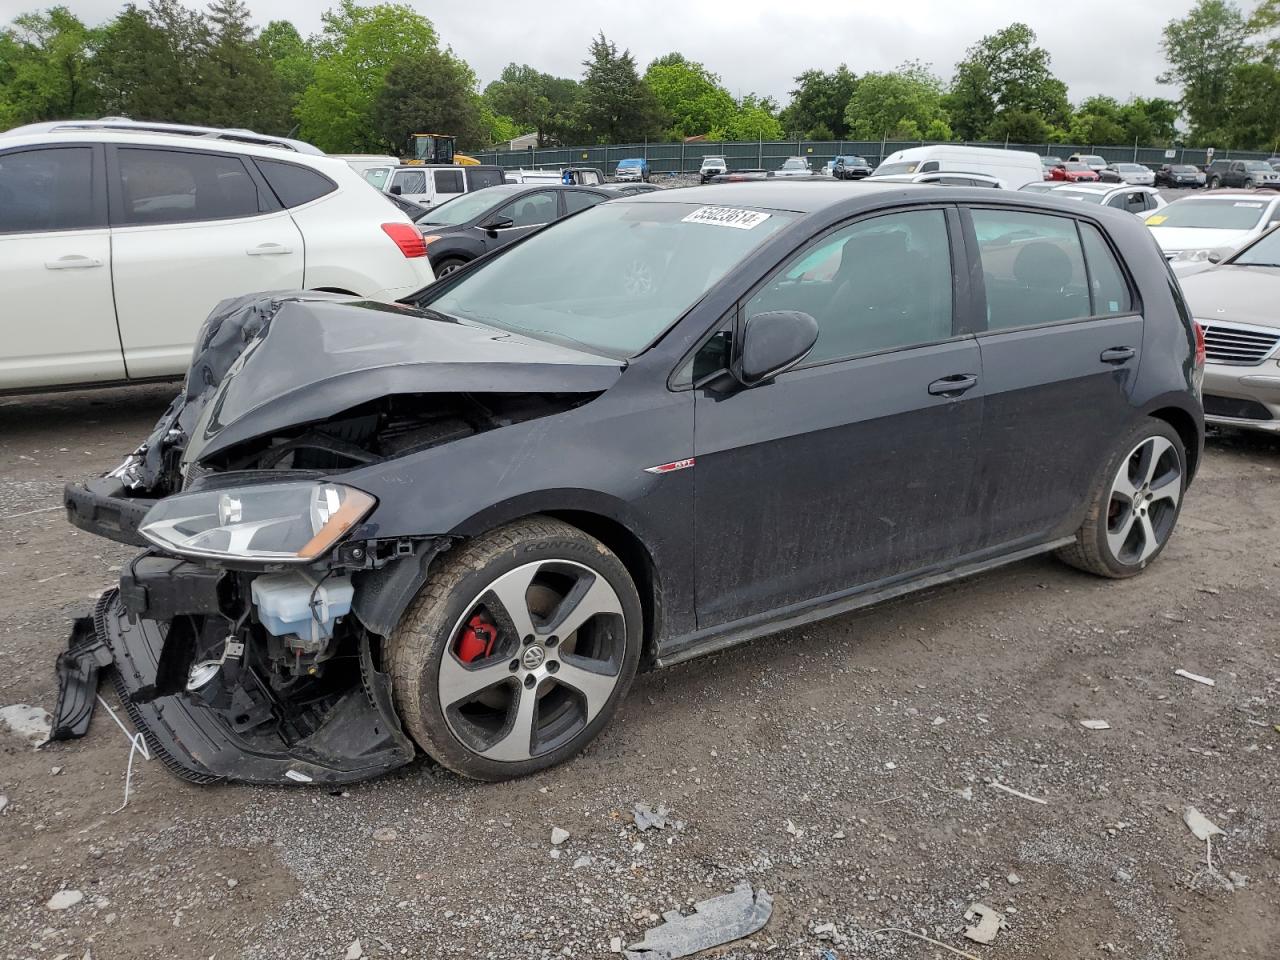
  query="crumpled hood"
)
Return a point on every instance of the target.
[{"x": 318, "y": 357}]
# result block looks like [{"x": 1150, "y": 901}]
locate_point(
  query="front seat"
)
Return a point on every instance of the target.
[{"x": 1043, "y": 272}]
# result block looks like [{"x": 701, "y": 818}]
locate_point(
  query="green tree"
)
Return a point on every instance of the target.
[
  {"x": 292, "y": 61},
  {"x": 1149, "y": 121},
  {"x": 239, "y": 86},
  {"x": 1203, "y": 49},
  {"x": 756, "y": 118},
  {"x": 818, "y": 102},
  {"x": 534, "y": 101},
  {"x": 45, "y": 68},
  {"x": 1098, "y": 121},
  {"x": 1005, "y": 72},
  {"x": 1018, "y": 126},
  {"x": 614, "y": 104},
  {"x": 691, "y": 97},
  {"x": 1253, "y": 108},
  {"x": 148, "y": 63},
  {"x": 904, "y": 104},
  {"x": 431, "y": 90},
  {"x": 356, "y": 48}
]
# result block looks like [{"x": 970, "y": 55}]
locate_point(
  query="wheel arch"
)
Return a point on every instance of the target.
[{"x": 1185, "y": 424}]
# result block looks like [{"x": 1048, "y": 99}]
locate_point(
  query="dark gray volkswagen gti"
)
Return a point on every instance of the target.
[{"x": 668, "y": 424}]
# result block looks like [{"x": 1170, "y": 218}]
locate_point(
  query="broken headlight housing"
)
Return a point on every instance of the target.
[{"x": 273, "y": 523}]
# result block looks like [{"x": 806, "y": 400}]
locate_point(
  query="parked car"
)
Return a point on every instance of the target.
[
  {"x": 1235, "y": 302},
  {"x": 125, "y": 125},
  {"x": 429, "y": 184},
  {"x": 1140, "y": 201},
  {"x": 1179, "y": 175},
  {"x": 1073, "y": 171},
  {"x": 1249, "y": 174},
  {"x": 739, "y": 176},
  {"x": 850, "y": 168},
  {"x": 959, "y": 178},
  {"x": 582, "y": 176},
  {"x": 410, "y": 209},
  {"x": 1090, "y": 160},
  {"x": 1192, "y": 229},
  {"x": 116, "y": 243},
  {"x": 1040, "y": 186},
  {"x": 1012, "y": 168},
  {"x": 361, "y": 163},
  {"x": 1047, "y": 164},
  {"x": 1134, "y": 173},
  {"x": 628, "y": 189},
  {"x": 634, "y": 168},
  {"x": 579, "y": 455},
  {"x": 712, "y": 166},
  {"x": 793, "y": 167},
  {"x": 467, "y": 227},
  {"x": 521, "y": 175}
]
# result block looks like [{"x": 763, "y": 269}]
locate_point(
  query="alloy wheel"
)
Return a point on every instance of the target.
[
  {"x": 1144, "y": 501},
  {"x": 533, "y": 660}
]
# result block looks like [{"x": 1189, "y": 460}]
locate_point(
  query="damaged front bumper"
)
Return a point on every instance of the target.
[{"x": 228, "y": 731}]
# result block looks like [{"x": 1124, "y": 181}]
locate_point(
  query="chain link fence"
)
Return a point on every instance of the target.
[{"x": 672, "y": 158}]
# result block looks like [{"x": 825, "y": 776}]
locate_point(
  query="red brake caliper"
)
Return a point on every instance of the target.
[{"x": 477, "y": 639}]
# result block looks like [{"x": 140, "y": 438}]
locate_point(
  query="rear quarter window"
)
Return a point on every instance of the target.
[{"x": 294, "y": 185}]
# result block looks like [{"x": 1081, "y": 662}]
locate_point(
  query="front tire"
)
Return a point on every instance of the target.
[
  {"x": 1215, "y": 183},
  {"x": 517, "y": 651},
  {"x": 448, "y": 265},
  {"x": 1134, "y": 507}
]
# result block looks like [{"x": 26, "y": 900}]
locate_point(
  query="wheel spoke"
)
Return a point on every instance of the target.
[
  {"x": 1170, "y": 489},
  {"x": 1116, "y": 539},
  {"x": 518, "y": 742},
  {"x": 1150, "y": 543},
  {"x": 1124, "y": 488},
  {"x": 459, "y": 683},
  {"x": 510, "y": 590},
  {"x": 595, "y": 687},
  {"x": 591, "y": 595},
  {"x": 1153, "y": 451}
]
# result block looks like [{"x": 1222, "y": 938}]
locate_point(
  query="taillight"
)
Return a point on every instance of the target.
[
  {"x": 407, "y": 238},
  {"x": 1200, "y": 355}
]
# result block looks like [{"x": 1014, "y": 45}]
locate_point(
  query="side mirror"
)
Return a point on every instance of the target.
[
  {"x": 396, "y": 189},
  {"x": 773, "y": 343},
  {"x": 497, "y": 223},
  {"x": 1217, "y": 256}
]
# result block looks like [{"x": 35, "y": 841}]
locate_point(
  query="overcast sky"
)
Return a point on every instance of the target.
[{"x": 1098, "y": 46}]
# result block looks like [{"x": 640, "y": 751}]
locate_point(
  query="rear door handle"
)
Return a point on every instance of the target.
[
  {"x": 1118, "y": 355},
  {"x": 72, "y": 262},
  {"x": 268, "y": 250},
  {"x": 953, "y": 385}
]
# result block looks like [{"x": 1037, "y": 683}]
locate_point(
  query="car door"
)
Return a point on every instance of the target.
[
  {"x": 854, "y": 467},
  {"x": 448, "y": 184},
  {"x": 55, "y": 268},
  {"x": 1060, "y": 354},
  {"x": 188, "y": 229},
  {"x": 527, "y": 213},
  {"x": 414, "y": 184}
]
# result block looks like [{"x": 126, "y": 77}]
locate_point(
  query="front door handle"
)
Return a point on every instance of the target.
[
  {"x": 953, "y": 385},
  {"x": 1118, "y": 355},
  {"x": 72, "y": 262},
  {"x": 268, "y": 250}
]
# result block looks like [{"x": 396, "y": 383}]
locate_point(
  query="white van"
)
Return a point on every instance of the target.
[
  {"x": 1012, "y": 168},
  {"x": 429, "y": 184}
]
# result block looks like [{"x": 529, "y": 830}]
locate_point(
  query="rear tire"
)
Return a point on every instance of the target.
[
  {"x": 517, "y": 651},
  {"x": 1134, "y": 505},
  {"x": 1215, "y": 183},
  {"x": 448, "y": 265}
]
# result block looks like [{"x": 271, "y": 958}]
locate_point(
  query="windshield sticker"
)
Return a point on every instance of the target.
[
  {"x": 1251, "y": 206},
  {"x": 728, "y": 217},
  {"x": 1155, "y": 221}
]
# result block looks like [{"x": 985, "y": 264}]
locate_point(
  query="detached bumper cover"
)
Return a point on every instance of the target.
[
  {"x": 360, "y": 737},
  {"x": 102, "y": 506}
]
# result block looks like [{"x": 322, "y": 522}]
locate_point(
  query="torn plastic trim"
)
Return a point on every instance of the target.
[
  {"x": 360, "y": 736},
  {"x": 383, "y": 595}
]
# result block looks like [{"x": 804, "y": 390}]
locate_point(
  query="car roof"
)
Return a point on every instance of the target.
[
  {"x": 186, "y": 131},
  {"x": 800, "y": 195}
]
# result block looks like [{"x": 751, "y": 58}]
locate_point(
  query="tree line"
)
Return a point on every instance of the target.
[{"x": 375, "y": 74}]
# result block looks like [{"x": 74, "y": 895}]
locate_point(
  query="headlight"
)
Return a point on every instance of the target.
[
  {"x": 279, "y": 522},
  {"x": 1195, "y": 256}
]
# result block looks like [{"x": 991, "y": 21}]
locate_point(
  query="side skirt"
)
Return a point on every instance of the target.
[{"x": 721, "y": 637}]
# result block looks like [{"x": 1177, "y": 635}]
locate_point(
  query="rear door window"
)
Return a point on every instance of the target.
[
  {"x": 1033, "y": 268},
  {"x": 480, "y": 177},
  {"x": 174, "y": 186},
  {"x": 412, "y": 182},
  {"x": 448, "y": 181},
  {"x": 47, "y": 189}
]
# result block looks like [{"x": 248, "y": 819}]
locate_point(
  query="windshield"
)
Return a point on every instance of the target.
[
  {"x": 1222, "y": 214},
  {"x": 1076, "y": 166},
  {"x": 1264, "y": 253},
  {"x": 623, "y": 164},
  {"x": 795, "y": 163},
  {"x": 1184, "y": 168},
  {"x": 1050, "y": 161},
  {"x": 611, "y": 279},
  {"x": 1257, "y": 166},
  {"x": 892, "y": 169},
  {"x": 464, "y": 208}
]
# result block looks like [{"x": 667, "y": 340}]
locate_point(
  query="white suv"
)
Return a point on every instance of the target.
[{"x": 116, "y": 242}]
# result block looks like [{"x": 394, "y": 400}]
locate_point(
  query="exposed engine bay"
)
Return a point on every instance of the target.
[{"x": 247, "y": 638}]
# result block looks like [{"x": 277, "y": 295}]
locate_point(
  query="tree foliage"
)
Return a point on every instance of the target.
[
  {"x": 1006, "y": 74},
  {"x": 433, "y": 91},
  {"x": 534, "y": 102},
  {"x": 691, "y": 97},
  {"x": 1204, "y": 48},
  {"x": 614, "y": 104},
  {"x": 817, "y": 108},
  {"x": 904, "y": 104}
]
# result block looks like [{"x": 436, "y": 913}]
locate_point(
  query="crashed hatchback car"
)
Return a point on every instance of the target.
[{"x": 668, "y": 424}]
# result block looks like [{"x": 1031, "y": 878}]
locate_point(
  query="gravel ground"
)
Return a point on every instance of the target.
[{"x": 844, "y": 767}]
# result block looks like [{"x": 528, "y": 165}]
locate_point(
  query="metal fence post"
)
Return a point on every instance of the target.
[{"x": 760, "y": 153}]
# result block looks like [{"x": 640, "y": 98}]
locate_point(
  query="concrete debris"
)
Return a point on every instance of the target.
[
  {"x": 714, "y": 922},
  {"x": 354, "y": 950},
  {"x": 64, "y": 900},
  {"x": 1196, "y": 677},
  {"x": 1013, "y": 879},
  {"x": 984, "y": 922},
  {"x": 1122, "y": 875},
  {"x": 386, "y": 834},
  {"x": 825, "y": 931},
  {"x": 4, "y": 802},
  {"x": 1200, "y": 825},
  {"x": 559, "y": 836},
  {"x": 966, "y": 793},
  {"x": 1095, "y": 724},
  {"x": 646, "y": 818},
  {"x": 1238, "y": 880},
  {"x": 792, "y": 829},
  {"x": 33, "y": 723},
  {"x": 615, "y": 945}
]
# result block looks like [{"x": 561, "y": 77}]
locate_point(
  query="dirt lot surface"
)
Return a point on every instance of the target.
[{"x": 845, "y": 768}]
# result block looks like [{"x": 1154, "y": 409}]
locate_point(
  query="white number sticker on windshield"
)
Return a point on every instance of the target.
[{"x": 727, "y": 217}]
